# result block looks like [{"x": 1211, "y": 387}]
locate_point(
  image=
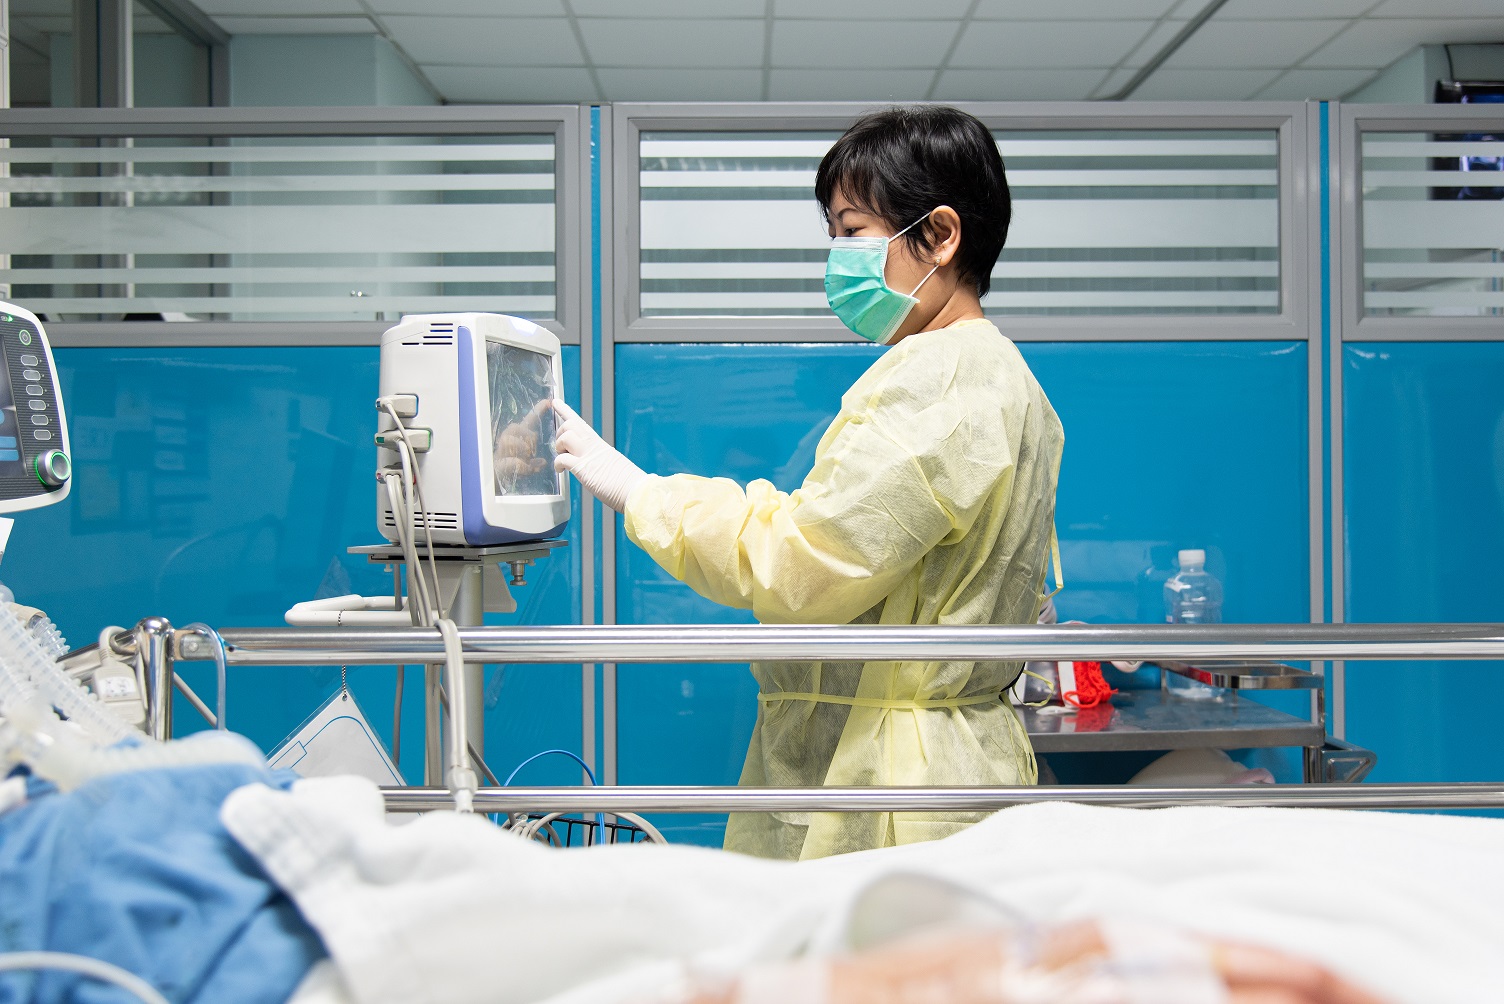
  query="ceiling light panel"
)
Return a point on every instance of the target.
[
  {"x": 685, "y": 43},
  {"x": 491, "y": 41}
]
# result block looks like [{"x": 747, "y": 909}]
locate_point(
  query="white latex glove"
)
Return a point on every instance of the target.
[{"x": 600, "y": 469}]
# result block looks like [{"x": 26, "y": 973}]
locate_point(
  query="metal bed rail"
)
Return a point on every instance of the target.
[
  {"x": 157, "y": 643},
  {"x": 760, "y": 643},
  {"x": 677, "y": 799}
]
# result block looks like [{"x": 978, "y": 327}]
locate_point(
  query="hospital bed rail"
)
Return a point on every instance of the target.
[{"x": 745, "y": 643}]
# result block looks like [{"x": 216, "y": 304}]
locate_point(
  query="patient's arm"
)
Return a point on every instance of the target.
[{"x": 1068, "y": 965}]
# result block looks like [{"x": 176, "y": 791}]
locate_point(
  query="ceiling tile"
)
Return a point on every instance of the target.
[
  {"x": 861, "y": 44},
  {"x": 474, "y": 8},
  {"x": 512, "y": 84},
  {"x": 278, "y": 8},
  {"x": 296, "y": 25},
  {"x": 1290, "y": 10},
  {"x": 1070, "y": 10},
  {"x": 1017, "y": 85},
  {"x": 1315, "y": 85},
  {"x": 475, "y": 41},
  {"x": 1253, "y": 44},
  {"x": 1047, "y": 44},
  {"x": 59, "y": 7},
  {"x": 1203, "y": 85},
  {"x": 872, "y": 10},
  {"x": 1437, "y": 8},
  {"x": 1157, "y": 38},
  {"x": 1378, "y": 43},
  {"x": 849, "y": 85},
  {"x": 665, "y": 8},
  {"x": 681, "y": 85},
  {"x": 650, "y": 43}
]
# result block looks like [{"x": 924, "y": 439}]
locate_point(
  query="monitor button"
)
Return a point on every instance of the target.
[
  {"x": 37, "y": 405},
  {"x": 29, "y": 360},
  {"x": 40, "y": 420},
  {"x": 31, "y": 374},
  {"x": 35, "y": 390},
  {"x": 41, "y": 434}
]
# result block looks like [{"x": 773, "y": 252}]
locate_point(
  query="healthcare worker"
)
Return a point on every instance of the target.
[{"x": 931, "y": 500}]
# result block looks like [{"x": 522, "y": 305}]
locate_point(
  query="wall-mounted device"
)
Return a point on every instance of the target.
[{"x": 474, "y": 393}]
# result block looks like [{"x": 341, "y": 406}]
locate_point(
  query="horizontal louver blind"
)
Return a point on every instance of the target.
[
  {"x": 316, "y": 229},
  {"x": 1164, "y": 222}
]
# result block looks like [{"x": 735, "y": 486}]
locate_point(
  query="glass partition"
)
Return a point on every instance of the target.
[
  {"x": 1116, "y": 222},
  {"x": 289, "y": 228}
]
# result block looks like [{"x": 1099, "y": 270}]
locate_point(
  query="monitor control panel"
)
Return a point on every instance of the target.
[{"x": 35, "y": 467}]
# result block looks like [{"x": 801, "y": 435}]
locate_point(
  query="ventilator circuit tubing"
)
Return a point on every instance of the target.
[
  {"x": 20, "y": 654},
  {"x": 34, "y": 736}
]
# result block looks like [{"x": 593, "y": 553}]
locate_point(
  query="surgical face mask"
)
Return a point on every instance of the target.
[{"x": 857, "y": 288}]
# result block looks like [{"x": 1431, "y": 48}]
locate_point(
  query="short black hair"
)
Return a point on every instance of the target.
[{"x": 901, "y": 163}]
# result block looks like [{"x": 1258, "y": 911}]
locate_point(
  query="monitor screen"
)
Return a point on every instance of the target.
[
  {"x": 522, "y": 419},
  {"x": 10, "y": 430}
]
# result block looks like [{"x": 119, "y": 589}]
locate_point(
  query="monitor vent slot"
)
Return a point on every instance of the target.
[
  {"x": 435, "y": 520},
  {"x": 438, "y": 333}
]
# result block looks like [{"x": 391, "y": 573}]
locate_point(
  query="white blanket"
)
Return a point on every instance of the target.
[{"x": 450, "y": 908}]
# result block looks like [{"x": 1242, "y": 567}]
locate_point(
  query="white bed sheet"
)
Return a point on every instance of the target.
[{"x": 449, "y": 908}]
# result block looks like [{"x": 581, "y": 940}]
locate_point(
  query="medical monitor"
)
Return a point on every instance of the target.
[
  {"x": 482, "y": 389},
  {"x": 35, "y": 465}
]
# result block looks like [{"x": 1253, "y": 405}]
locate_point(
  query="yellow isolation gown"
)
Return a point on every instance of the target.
[{"x": 931, "y": 501}]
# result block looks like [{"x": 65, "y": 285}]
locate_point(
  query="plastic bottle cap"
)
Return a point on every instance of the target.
[{"x": 1195, "y": 558}]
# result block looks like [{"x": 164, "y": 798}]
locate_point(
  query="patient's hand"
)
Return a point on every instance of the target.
[{"x": 1066, "y": 965}]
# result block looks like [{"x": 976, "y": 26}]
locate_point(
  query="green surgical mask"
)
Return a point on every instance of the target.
[{"x": 857, "y": 288}]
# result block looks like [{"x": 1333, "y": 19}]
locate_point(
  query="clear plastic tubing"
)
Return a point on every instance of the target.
[{"x": 21, "y": 655}]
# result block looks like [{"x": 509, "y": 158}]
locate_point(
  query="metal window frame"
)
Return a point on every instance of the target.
[
  {"x": 1287, "y": 119},
  {"x": 562, "y": 122},
  {"x": 1354, "y": 121},
  {"x": 1297, "y": 126}
]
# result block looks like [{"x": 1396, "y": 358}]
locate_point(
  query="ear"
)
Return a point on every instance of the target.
[{"x": 945, "y": 235}]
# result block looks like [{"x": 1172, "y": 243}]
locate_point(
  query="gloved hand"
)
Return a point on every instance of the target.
[{"x": 599, "y": 468}]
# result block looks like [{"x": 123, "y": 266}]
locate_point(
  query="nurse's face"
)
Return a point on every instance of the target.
[{"x": 904, "y": 270}]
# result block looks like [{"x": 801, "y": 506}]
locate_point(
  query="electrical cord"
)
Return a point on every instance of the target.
[
  {"x": 104, "y": 972},
  {"x": 600, "y": 818}
]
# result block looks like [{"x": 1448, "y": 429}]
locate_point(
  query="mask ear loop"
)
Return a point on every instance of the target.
[{"x": 905, "y": 230}]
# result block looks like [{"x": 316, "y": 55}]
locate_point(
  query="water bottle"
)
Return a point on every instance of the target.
[{"x": 1192, "y": 596}]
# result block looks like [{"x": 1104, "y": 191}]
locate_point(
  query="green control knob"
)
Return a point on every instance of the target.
[{"x": 54, "y": 468}]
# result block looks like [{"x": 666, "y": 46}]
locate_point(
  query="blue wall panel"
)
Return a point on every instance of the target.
[
  {"x": 224, "y": 485},
  {"x": 1424, "y": 498},
  {"x": 1168, "y": 445}
]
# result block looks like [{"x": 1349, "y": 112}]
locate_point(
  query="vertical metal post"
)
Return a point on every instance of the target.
[
  {"x": 460, "y": 580},
  {"x": 154, "y": 649},
  {"x": 102, "y": 47}
]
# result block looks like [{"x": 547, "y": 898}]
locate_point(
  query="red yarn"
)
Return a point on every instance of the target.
[{"x": 1091, "y": 690}]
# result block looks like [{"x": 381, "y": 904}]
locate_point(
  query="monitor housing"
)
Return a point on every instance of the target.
[
  {"x": 35, "y": 463},
  {"x": 484, "y": 386}
]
